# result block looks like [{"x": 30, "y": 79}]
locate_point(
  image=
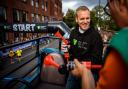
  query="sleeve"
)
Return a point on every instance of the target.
[
  {"x": 114, "y": 73},
  {"x": 96, "y": 50}
]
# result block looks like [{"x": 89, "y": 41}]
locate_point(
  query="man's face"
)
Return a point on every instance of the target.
[{"x": 83, "y": 19}]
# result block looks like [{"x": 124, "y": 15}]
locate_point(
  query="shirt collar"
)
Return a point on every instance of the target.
[{"x": 81, "y": 31}]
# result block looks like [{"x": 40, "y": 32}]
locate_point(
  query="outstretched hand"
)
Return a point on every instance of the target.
[{"x": 79, "y": 68}]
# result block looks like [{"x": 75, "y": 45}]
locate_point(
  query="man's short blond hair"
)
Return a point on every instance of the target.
[{"x": 82, "y": 8}]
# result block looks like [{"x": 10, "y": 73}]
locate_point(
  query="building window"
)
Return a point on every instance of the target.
[
  {"x": 3, "y": 14},
  {"x": 33, "y": 19},
  {"x": 42, "y": 18},
  {"x": 46, "y": 6},
  {"x": 55, "y": 13},
  {"x": 24, "y": 16},
  {"x": 16, "y": 37},
  {"x": 32, "y": 2},
  {"x": 16, "y": 15},
  {"x": 42, "y": 4},
  {"x": 45, "y": 19},
  {"x": 37, "y": 3},
  {"x": 55, "y": 5},
  {"x": 37, "y": 18}
]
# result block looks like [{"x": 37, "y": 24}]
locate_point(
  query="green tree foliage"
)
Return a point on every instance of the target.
[
  {"x": 101, "y": 19},
  {"x": 69, "y": 18}
]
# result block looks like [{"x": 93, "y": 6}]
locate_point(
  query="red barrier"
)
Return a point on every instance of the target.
[
  {"x": 89, "y": 65},
  {"x": 49, "y": 61}
]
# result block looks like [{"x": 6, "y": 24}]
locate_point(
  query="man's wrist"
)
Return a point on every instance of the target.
[{"x": 84, "y": 71}]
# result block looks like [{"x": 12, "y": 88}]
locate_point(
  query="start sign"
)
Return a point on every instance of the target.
[{"x": 24, "y": 27}]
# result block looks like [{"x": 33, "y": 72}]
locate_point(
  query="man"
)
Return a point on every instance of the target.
[
  {"x": 85, "y": 43},
  {"x": 11, "y": 55},
  {"x": 114, "y": 74},
  {"x": 19, "y": 54}
]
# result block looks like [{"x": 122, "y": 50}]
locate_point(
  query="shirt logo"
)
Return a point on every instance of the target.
[{"x": 74, "y": 41}]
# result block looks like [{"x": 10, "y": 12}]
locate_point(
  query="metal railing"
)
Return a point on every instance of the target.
[{"x": 38, "y": 55}]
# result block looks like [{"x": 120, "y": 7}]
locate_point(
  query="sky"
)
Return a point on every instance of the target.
[{"x": 73, "y": 4}]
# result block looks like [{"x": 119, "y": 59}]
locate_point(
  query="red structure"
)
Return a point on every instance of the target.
[{"x": 49, "y": 61}]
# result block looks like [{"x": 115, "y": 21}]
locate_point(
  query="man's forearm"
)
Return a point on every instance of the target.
[{"x": 87, "y": 80}]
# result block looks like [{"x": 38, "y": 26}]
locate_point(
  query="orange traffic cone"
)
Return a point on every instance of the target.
[{"x": 49, "y": 61}]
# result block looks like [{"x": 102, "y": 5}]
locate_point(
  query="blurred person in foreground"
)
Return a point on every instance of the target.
[{"x": 114, "y": 74}]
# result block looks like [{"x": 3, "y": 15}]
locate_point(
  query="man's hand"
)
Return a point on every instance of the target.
[
  {"x": 64, "y": 47},
  {"x": 79, "y": 68},
  {"x": 87, "y": 78}
]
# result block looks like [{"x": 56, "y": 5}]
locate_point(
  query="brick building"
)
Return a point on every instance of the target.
[{"x": 18, "y": 11}]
